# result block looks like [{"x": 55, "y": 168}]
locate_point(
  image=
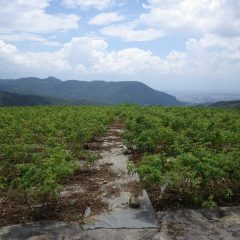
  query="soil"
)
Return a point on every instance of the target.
[
  {"x": 134, "y": 188},
  {"x": 172, "y": 199},
  {"x": 69, "y": 208},
  {"x": 13, "y": 212},
  {"x": 86, "y": 187},
  {"x": 82, "y": 190}
]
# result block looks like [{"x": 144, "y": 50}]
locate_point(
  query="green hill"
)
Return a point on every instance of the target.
[
  {"x": 227, "y": 104},
  {"x": 15, "y": 99},
  {"x": 97, "y": 91}
]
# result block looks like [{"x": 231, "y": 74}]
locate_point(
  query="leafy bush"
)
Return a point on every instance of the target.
[
  {"x": 40, "y": 180},
  {"x": 195, "y": 151},
  {"x": 40, "y": 146}
]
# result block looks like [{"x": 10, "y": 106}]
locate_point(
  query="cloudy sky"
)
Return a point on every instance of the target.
[{"x": 167, "y": 44}]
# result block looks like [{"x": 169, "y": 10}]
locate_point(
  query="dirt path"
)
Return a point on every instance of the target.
[{"x": 99, "y": 198}]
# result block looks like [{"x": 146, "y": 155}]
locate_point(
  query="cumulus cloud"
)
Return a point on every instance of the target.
[
  {"x": 85, "y": 4},
  {"x": 130, "y": 33},
  {"x": 75, "y": 57},
  {"x": 85, "y": 51},
  {"x": 21, "y": 19},
  {"x": 30, "y": 61},
  {"x": 128, "y": 61},
  {"x": 106, "y": 18},
  {"x": 214, "y": 54},
  {"x": 19, "y": 37},
  {"x": 199, "y": 16},
  {"x": 166, "y": 17},
  {"x": 86, "y": 56}
]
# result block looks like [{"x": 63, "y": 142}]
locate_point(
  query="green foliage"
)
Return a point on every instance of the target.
[
  {"x": 40, "y": 180},
  {"x": 194, "y": 150},
  {"x": 209, "y": 203},
  {"x": 41, "y": 146},
  {"x": 15, "y": 99},
  {"x": 227, "y": 104}
]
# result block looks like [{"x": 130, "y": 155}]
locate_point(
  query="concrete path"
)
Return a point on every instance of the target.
[
  {"x": 202, "y": 224},
  {"x": 118, "y": 222},
  {"x": 120, "y": 215}
]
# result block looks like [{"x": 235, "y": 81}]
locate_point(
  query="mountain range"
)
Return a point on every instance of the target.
[
  {"x": 52, "y": 91},
  {"x": 16, "y": 99},
  {"x": 227, "y": 104}
]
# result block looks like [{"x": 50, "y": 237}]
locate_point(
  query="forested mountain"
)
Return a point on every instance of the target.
[
  {"x": 227, "y": 104},
  {"x": 15, "y": 99},
  {"x": 99, "y": 91}
]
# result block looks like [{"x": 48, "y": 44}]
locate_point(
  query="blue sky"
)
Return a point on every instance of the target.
[{"x": 168, "y": 44}]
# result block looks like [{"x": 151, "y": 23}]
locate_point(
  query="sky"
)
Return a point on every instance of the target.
[{"x": 171, "y": 45}]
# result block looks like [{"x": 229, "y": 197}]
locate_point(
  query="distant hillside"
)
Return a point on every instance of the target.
[
  {"x": 227, "y": 104},
  {"x": 15, "y": 99},
  {"x": 100, "y": 91}
]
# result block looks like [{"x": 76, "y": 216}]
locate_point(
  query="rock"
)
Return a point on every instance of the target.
[
  {"x": 163, "y": 189},
  {"x": 127, "y": 152},
  {"x": 87, "y": 212},
  {"x": 73, "y": 202},
  {"x": 93, "y": 146},
  {"x": 134, "y": 202},
  {"x": 65, "y": 194},
  {"x": 40, "y": 237}
]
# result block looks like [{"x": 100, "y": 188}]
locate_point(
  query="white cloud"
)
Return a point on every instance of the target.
[
  {"x": 85, "y": 4},
  {"x": 214, "y": 54},
  {"x": 87, "y": 56},
  {"x": 129, "y": 33},
  {"x": 128, "y": 61},
  {"x": 30, "y": 17},
  {"x": 199, "y": 16},
  {"x": 85, "y": 51},
  {"x": 106, "y": 18},
  {"x": 13, "y": 37},
  {"x": 7, "y": 50},
  {"x": 12, "y": 61}
]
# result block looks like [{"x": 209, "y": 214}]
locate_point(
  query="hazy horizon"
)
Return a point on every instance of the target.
[{"x": 170, "y": 45}]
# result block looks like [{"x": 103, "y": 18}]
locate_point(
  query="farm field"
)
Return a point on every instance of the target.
[
  {"x": 185, "y": 157},
  {"x": 191, "y": 154},
  {"x": 40, "y": 148}
]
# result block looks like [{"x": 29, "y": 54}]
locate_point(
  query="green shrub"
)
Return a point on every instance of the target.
[
  {"x": 40, "y": 181},
  {"x": 194, "y": 150}
]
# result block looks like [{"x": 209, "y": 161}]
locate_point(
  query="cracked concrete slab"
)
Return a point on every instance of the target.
[
  {"x": 214, "y": 224},
  {"x": 126, "y": 217},
  {"x": 120, "y": 215},
  {"x": 50, "y": 230}
]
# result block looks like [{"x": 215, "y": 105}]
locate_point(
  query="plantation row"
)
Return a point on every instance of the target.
[
  {"x": 41, "y": 146},
  {"x": 191, "y": 153}
]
